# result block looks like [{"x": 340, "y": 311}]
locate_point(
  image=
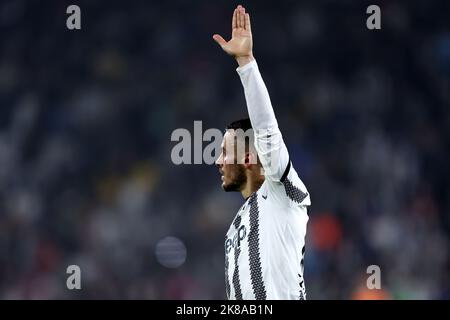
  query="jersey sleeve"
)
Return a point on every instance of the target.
[{"x": 269, "y": 144}]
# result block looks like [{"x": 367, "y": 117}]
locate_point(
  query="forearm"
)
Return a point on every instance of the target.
[
  {"x": 256, "y": 95},
  {"x": 243, "y": 60}
]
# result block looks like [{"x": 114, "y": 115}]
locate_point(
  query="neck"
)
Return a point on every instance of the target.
[{"x": 254, "y": 182}]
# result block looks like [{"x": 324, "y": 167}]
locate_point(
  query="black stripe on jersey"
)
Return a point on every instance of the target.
[
  {"x": 302, "y": 265},
  {"x": 294, "y": 193},
  {"x": 237, "y": 252},
  {"x": 286, "y": 172},
  {"x": 227, "y": 281},
  {"x": 301, "y": 293},
  {"x": 253, "y": 251}
]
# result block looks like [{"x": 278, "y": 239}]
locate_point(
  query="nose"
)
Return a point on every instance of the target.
[{"x": 219, "y": 162}]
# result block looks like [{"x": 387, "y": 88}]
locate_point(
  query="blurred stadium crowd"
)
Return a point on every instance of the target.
[{"x": 86, "y": 118}]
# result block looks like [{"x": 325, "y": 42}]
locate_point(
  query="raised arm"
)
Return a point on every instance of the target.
[{"x": 269, "y": 143}]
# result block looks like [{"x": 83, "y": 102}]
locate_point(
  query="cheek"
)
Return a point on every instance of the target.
[{"x": 228, "y": 160}]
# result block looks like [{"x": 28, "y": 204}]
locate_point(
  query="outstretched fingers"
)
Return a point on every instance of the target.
[
  {"x": 234, "y": 21},
  {"x": 242, "y": 18},
  {"x": 218, "y": 38},
  {"x": 247, "y": 22}
]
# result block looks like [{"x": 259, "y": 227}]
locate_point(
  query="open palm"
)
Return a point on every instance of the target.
[{"x": 241, "y": 42}]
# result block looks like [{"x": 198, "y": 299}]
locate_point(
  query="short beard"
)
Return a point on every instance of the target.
[{"x": 239, "y": 178}]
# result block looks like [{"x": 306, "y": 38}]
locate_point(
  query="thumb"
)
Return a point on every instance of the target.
[{"x": 221, "y": 41}]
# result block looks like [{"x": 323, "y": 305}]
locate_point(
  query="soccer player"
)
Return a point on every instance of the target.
[{"x": 265, "y": 244}]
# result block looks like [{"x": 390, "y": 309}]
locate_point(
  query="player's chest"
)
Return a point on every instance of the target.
[
  {"x": 249, "y": 219},
  {"x": 238, "y": 230}
]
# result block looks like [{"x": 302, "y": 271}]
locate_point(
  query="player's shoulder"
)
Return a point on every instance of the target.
[{"x": 289, "y": 190}]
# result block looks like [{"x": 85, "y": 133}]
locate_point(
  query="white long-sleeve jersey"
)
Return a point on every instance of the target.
[{"x": 265, "y": 244}]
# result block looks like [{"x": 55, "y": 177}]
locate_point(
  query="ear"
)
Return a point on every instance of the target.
[{"x": 250, "y": 159}]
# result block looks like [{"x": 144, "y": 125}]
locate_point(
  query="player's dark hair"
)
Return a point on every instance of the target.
[{"x": 243, "y": 124}]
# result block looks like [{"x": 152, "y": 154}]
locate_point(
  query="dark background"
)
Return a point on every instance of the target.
[{"x": 86, "y": 117}]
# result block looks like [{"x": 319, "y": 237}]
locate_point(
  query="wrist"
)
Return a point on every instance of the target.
[{"x": 243, "y": 60}]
